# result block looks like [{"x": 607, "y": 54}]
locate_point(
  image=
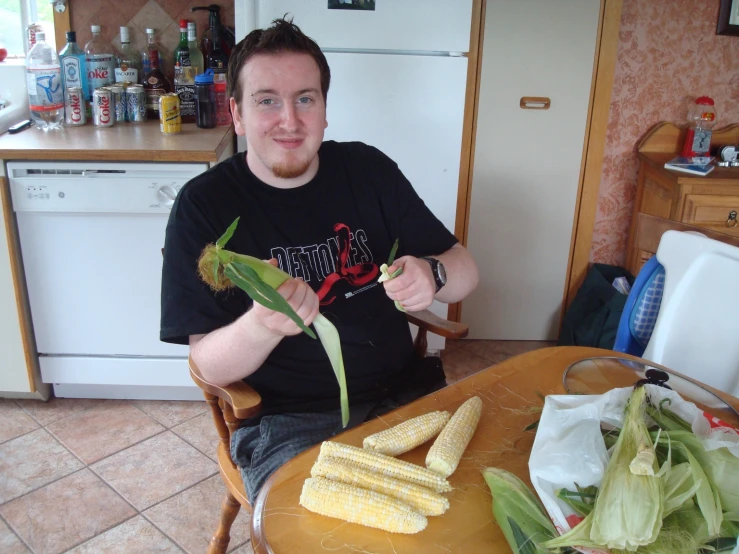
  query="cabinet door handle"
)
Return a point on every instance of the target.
[
  {"x": 535, "y": 103},
  {"x": 732, "y": 222}
]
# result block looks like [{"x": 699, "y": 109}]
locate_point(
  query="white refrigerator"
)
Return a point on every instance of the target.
[{"x": 398, "y": 82}]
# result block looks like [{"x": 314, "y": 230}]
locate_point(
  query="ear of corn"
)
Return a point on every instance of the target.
[
  {"x": 444, "y": 455},
  {"x": 222, "y": 268},
  {"x": 518, "y": 512},
  {"x": 407, "y": 435},
  {"x": 385, "y": 465},
  {"x": 421, "y": 499},
  {"x": 358, "y": 505}
]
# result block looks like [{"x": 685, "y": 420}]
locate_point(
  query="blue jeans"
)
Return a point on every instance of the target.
[{"x": 260, "y": 449}]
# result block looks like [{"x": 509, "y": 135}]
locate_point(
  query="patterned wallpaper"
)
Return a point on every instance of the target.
[
  {"x": 138, "y": 15},
  {"x": 668, "y": 55}
]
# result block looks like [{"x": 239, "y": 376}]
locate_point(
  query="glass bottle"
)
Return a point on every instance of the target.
[
  {"x": 196, "y": 56},
  {"x": 74, "y": 65},
  {"x": 151, "y": 44},
  {"x": 128, "y": 64},
  {"x": 182, "y": 52},
  {"x": 184, "y": 86},
  {"x": 155, "y": 84},
  {"x": 100, "y": 61},
  {"x": 44, "y": 81}
]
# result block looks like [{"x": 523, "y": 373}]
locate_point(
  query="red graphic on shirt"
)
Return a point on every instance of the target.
[{"x": 357, "y": 276}]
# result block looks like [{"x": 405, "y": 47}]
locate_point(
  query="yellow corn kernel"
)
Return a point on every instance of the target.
[
  {"x": 421, "y": 499},
  {"x": 409, "y": 434},
  {"x": 358, "y": 505},
  {"x": 447, "y": 450},
  {"x": 386, "y": 465}
]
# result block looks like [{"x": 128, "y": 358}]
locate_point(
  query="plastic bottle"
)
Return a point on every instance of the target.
[
  {"x": 74, "y": 65},
  {"x": 701, "y": 120},
  {"x": 223, "y": 115},
  {"x": 100, "y": 61},
  {"x": 128, "y": 64},
  {"x": 45, "y": 88},
  {"x": 205, "y": 109},
  {"x": 196, "y": 56}
]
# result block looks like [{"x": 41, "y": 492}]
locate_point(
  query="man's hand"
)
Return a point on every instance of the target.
[
  {"x": 301, "y": 298},
  {"x": 415, "y": 287}
]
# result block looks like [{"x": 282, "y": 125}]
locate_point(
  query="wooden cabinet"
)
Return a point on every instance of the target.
[{"x": 710, "y": 202}]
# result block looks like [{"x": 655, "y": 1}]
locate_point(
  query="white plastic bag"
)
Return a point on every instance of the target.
[{"x": 569, "y": 446}]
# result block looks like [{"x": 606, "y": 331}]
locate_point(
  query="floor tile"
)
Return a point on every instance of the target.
[
  {"x": 154, "y": 469},
  {"x": 104, "y": 429},
  {"x": 243, "y": 549},
  {"x": 500, "y": 350},
  {"x": 201, "y": 432},
  {"x": 135, "y": 535},
  {"x": 65, "y": 513},
  {"x": 31, "y": 461},
  {"x": 191, "y": 517},
  {"x": 459, "y": 364},
  {"x": 56, "y": 408},
  {"x": 9, "y": 542},
  {"x": 14, "y": 422},
  {"x": 172, "y": 412}
]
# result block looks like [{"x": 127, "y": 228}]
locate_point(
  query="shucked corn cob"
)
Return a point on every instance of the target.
[
  {"x": 358, "y": 505},
  {"x": 385, "y": 465},
  {"x": 421, "y": 499},
  {"x": 447, "y": 450},
  {"x": 406, "y": 436}
]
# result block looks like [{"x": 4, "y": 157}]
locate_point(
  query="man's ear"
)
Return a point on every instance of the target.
[{"x": 236, "y": 114}]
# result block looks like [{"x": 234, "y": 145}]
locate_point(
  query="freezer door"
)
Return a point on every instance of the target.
[
  {"x": 411, "y": 108},
  {"x": 432, "y": 25}
]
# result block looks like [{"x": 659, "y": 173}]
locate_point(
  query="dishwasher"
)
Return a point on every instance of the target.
[{"x": 91, "y": 236}]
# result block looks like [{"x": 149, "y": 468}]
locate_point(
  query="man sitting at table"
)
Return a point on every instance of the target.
[{"x": 328, "y": 213}]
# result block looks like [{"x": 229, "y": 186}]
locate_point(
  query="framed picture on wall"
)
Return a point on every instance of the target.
[{"x": 728, "y": 18}]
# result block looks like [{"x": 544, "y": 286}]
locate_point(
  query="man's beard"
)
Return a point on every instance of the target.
[{"x": 290, "y": 169}]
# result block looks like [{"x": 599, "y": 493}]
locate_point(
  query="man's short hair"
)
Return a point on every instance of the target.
[{"x": 282, "y": 36}]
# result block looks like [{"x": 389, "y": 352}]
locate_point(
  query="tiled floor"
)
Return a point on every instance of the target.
[{"x": 112, "y": 476}]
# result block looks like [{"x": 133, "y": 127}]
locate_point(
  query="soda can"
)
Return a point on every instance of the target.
[
  {"x": 135, "y": 103},
  {"x": 75, "y": 111},
  {"x": 170, "y": 120},
  {"x": 103, "y": 111},
  {"x": 119, "y": 102}
]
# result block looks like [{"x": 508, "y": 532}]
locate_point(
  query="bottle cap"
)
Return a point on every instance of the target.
[
  {"x": 704, "y": 101},
  {"x": 183, "y": 24},
  {"x": 190, "y": 24},
  {"x": 125, "y": 34},
  {"x": 204, "y": 78},
  {"x": 95, "y": 28},
  {"x": 150, "y": 31},
  {"x": 71, "y": 36}
]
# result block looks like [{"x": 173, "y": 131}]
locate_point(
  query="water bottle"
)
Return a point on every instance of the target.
[{"x": 45, "y": 89}]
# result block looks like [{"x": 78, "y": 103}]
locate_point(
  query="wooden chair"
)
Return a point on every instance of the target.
[{"x": 238, "y": 401}]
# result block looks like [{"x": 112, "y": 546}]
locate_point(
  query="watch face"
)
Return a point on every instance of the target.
[{"x": 442, "y": 273}]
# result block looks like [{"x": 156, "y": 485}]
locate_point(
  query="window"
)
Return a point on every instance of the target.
[{"x": 16, "y": 15}]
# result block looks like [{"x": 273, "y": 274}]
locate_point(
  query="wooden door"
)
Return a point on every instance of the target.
[{"x": 528, "y": 161}]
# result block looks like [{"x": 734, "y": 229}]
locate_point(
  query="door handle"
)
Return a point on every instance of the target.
[
  {"x": 732, "y": 222},
  {"x": 535, "y": 103}
]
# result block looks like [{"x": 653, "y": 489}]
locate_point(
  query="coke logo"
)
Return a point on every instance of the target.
[
  {"x": 98, "y": 73},
  {"x": 75, "y": 106},
  {"x": 104, "y": 105}
]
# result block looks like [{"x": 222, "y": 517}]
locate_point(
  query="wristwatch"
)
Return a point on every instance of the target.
[{"x": 438, "y": 270}]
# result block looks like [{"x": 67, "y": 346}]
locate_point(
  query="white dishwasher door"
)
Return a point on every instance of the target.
[{"x": 91, "y": 237}]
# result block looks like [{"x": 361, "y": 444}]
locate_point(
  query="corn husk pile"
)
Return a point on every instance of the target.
[{"x": 662, "y": 493}]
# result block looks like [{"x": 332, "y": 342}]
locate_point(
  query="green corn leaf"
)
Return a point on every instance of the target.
[
  {"x": 221, "y": 242},
  {"x": 332, "y": 345},
  {"x": 242, "y": 274},
  {"x": 393, "y": 250}
]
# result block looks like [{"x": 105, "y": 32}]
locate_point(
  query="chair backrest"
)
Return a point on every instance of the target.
[{"x": 696, "y": 332}]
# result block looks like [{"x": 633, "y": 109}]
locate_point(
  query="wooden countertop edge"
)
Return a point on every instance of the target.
[{"x": 119, "y": 155}]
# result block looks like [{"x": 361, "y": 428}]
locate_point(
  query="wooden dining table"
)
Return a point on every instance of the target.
[{"x": 512, "y": 393}]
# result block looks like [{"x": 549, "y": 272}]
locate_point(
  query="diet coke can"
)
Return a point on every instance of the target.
[
  {"x": 75, "y": 112},
  {"x": 103, "y": 111}
]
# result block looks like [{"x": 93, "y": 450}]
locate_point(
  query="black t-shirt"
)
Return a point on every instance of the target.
[{"x": 333, "y": 232}]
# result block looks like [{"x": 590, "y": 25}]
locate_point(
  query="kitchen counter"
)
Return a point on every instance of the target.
[{"x": 137, "y": 142}]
